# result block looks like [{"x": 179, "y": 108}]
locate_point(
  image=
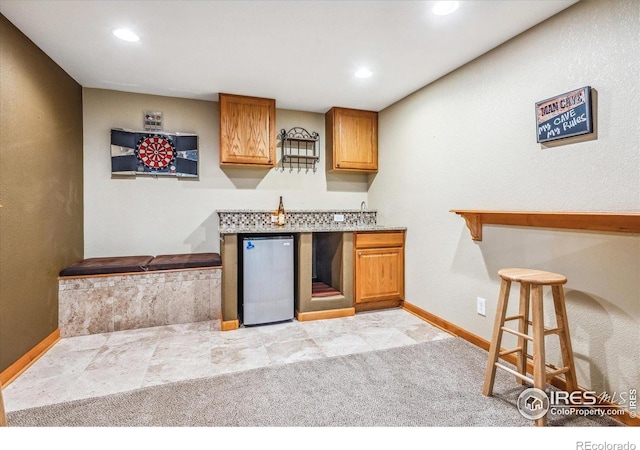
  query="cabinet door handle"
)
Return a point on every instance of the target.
[
  {"x": 338, "y": 165},
  {"x": 359, "y": 253}
]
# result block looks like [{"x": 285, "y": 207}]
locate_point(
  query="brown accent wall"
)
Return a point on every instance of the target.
[{"x": 41, "y": 222}]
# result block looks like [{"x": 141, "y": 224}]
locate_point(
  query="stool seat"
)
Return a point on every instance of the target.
[{"x": 532, "y": 276}]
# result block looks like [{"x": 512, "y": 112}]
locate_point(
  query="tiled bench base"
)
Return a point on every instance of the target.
[{"x": 105, "y": 303}]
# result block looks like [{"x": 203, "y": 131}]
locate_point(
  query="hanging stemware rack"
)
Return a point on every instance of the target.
[{"x": 300, "y": 149}]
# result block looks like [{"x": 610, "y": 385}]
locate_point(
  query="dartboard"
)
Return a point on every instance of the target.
[{"x": 156, "y": 152}]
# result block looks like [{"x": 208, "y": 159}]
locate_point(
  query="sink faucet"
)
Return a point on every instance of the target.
[{"x": 363, "y": 208}]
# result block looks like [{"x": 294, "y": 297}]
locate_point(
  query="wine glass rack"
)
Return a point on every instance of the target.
[{"x": 300, "y": 149}]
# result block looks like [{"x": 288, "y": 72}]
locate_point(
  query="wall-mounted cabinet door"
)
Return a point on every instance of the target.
[
  {"x": 247, "y": 131},
  {"x": 352, "y": 140}
]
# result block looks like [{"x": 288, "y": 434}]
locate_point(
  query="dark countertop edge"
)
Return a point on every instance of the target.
[{"x": 311, "y": 230}]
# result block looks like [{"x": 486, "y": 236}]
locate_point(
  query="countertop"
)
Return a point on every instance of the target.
[{"x": 315, "y": 229}]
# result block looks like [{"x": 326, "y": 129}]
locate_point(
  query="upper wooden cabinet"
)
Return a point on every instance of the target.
[
  {"x": 247, "y": 131},
  {"x": 352, "y": 140}
]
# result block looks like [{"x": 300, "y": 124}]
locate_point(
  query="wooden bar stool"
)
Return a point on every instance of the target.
[{"x": 531, "y": 283}]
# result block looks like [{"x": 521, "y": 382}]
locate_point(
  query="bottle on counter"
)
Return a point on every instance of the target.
[{"x": 280, "y": 213}]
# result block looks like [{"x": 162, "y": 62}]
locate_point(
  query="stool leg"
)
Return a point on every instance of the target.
[
  {"x": 539, "y": 370},
  {"x": 565, "y": 338},
  {"x": 523, "y": 327},
  {"x": 496, "y": 338}
]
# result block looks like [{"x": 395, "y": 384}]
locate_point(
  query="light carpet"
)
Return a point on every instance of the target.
[{"x": 436, "y": 383}]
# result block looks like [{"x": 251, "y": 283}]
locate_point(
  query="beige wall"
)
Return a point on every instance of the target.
[
  {"x": 468, "y": 141},
  {"x": 145, "y": 215},
  {"x": 40, "y": 189}
]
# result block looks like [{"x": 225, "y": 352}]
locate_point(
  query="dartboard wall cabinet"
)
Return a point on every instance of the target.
[{"x": 154, "y": 153}]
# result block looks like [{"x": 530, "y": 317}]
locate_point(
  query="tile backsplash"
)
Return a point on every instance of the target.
[{"x": 232, "y": 219}]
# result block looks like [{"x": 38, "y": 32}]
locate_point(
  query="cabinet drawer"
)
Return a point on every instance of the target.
[{"x": 379, "y": 239}]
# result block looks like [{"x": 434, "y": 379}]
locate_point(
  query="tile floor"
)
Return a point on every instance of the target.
[{"x": 100, "y": 364}]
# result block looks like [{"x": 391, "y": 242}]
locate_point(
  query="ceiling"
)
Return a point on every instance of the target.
[{"x": 302, "y": 53}]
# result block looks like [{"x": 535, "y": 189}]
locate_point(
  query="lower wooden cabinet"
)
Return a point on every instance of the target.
[{"x": 379, "y": 268}]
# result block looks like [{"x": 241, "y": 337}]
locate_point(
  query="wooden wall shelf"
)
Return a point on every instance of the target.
[{"x": 592, "y": 221}]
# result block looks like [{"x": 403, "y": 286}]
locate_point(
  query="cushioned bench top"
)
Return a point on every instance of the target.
[
  {"x": 184, "y": 261},
  {"x": 124, "y": 264},
  {"x": 113, "y": 264}
]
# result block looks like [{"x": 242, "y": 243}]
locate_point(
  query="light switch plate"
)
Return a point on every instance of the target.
[{"x": 338, "y": 217}]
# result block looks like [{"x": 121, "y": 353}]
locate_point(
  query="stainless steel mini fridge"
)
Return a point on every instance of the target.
[{"x": 267, "y": 286}]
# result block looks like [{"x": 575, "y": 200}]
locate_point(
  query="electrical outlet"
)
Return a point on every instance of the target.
[
  {"x": 481, "y": 306},
  {"x": 338, "y": 217}
]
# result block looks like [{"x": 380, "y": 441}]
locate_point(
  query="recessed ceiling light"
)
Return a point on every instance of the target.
[
  {"x": 126, "y": 35},
  {"x": 444, "y": 8},
  {"x": 363, "y": 73}
]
